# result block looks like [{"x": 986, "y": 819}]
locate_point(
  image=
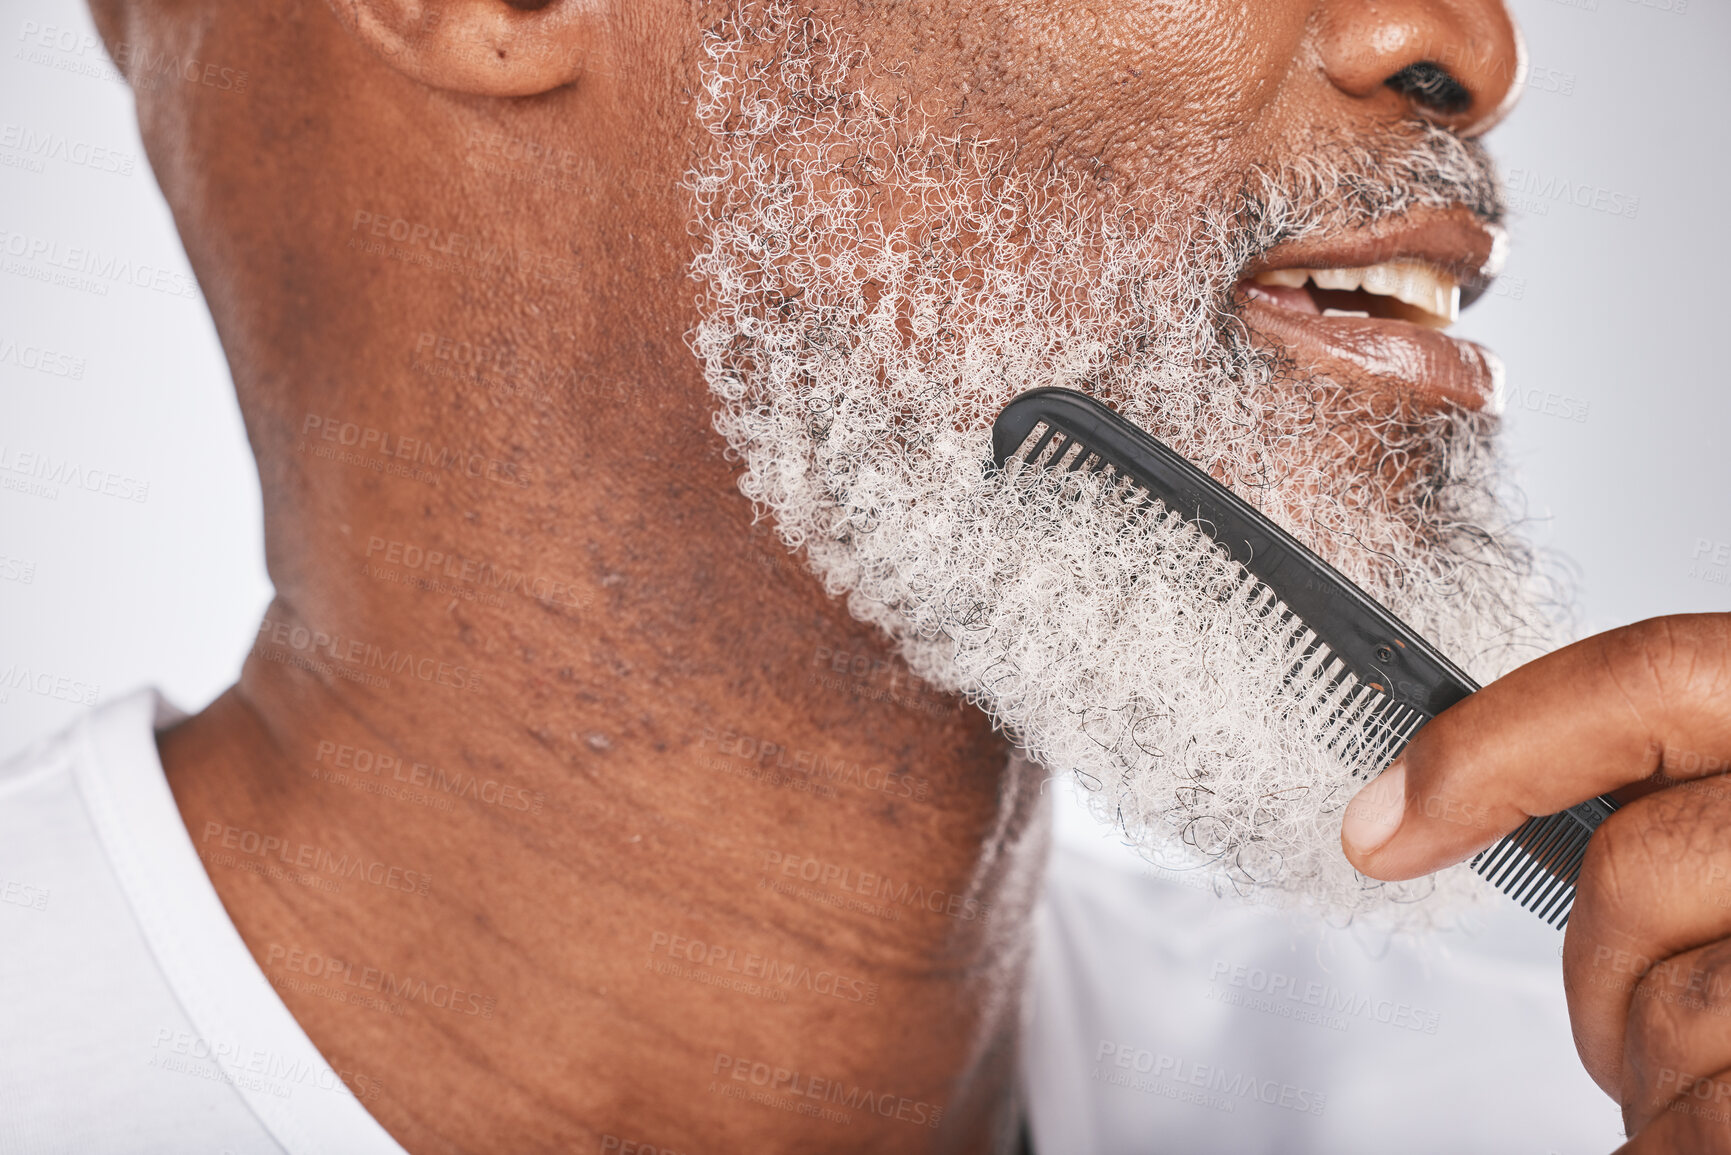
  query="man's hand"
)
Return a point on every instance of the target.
[{"x": 1643, "y": 713}]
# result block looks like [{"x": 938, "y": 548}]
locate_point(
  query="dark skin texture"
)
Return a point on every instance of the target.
[{"x": 637, "y": 696}]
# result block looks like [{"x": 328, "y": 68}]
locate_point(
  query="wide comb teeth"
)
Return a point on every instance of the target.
[
  {"x": 1539, "y": 863},
  {"x": 1365, "y": 727},
  {"x": 1356, "y": 717},
  {"x": 1363, "y": 724}
]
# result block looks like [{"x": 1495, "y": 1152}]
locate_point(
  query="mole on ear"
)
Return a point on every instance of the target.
[{"x": 482, "y": 47}]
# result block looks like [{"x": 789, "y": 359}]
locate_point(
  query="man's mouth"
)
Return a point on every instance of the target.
[
  {"x": 1368, "y": 309},
  {"x": 1394, "y": 290}
]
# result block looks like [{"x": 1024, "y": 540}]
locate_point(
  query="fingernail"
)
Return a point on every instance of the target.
[{"x": 1375, "y": 812}]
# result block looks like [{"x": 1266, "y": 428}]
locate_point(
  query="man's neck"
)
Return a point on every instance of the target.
[{"x": 651, "y": 840}]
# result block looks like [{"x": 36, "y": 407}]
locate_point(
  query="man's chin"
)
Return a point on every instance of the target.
[{"x": 857, "y": 381}]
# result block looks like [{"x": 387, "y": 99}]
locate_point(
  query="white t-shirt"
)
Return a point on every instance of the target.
[
  {"x": 1162, "y": 1020},
  {"x": 1167, "y": 1021},
  {"x": 132, "y": 1016}
]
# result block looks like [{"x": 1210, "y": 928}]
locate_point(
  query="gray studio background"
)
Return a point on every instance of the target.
[{"x": 1618, "y": 413}]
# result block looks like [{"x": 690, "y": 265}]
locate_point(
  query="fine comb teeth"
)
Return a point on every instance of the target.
[{"x": 1372, "y": 682}]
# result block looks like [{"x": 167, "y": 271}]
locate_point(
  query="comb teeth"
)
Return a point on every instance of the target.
[
  {"x": 1364, "y": 726},
  {"x": 1538, "y": 864}
]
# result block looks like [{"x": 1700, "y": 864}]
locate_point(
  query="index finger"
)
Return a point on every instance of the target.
[{"x": 1603, "y": 713}]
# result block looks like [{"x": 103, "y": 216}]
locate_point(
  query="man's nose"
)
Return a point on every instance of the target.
[{"x": 1454, "y": 62}]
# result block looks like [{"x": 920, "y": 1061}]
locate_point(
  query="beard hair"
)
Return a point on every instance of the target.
[{"x": 876, "y": 291}]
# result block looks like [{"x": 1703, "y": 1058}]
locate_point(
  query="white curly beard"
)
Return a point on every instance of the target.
[{"x": 875, "y": 295}]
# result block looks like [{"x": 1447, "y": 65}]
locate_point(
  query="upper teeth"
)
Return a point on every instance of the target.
[{"x": 1418, "y": 285}]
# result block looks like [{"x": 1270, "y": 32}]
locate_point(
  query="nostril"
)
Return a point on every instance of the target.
[{"x": 1431, "y": 87}]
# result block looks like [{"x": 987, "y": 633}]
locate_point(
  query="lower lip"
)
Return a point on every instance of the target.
[{"x": 1376, "y": 354}]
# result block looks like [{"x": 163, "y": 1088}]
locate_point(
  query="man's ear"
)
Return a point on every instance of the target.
[{"x": 485, "y": 47}]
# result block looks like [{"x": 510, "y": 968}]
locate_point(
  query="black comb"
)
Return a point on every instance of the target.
[{"x": 1385, "y": 681}]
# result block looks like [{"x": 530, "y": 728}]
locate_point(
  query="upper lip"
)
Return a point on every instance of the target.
[{"x": 1452, "y": 241}]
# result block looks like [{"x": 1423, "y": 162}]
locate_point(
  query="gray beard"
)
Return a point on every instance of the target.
[{"x": 876, "y": 294}]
